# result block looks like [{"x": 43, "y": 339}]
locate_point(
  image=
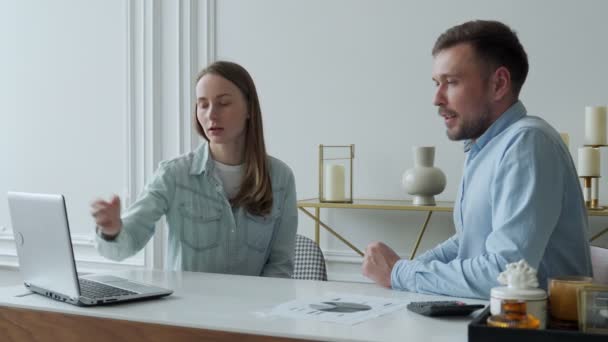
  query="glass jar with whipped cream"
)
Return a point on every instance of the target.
[
  {"x": 521, "y": 285},
  {"x": 535, "y": 299}
]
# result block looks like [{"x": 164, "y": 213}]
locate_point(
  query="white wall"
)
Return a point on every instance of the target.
[
  {"x": 94, "y": 95},
  {"x": 342, "y": 72},
  {"x": 64, "y": 131},
  {"x": 99, "y": 83}
]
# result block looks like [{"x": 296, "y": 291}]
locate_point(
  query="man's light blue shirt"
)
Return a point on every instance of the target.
[
  {"x": 519, "y": 198},
  {"x": 205, "y": 233}
]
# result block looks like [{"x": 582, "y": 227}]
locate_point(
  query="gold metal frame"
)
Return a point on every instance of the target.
[
  {"x": 378, "y": 204},
  {"x": 321, "y": 178},
  {"x": 590, "y": 184},
  {"x": 373, "y": 205},
  {"x": 592, "y": 203}
]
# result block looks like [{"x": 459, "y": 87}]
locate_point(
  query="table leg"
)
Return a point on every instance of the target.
[
  {"x": 318, "y": 217},
  {"x": 426, "y": 223},
  {"x": 318, "y": 221},
  {"x": 596, "y": 236}
]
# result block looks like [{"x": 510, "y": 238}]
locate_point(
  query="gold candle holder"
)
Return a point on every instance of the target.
[
  {"x": 589, "y": 163},
  {"x": 595, "y": 193},
  {"x": 591, "y": 192},
  {"x": 336, "y": 173}
]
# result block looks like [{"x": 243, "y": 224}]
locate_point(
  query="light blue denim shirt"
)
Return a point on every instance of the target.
[
  {"x": 205, "y": 233},
  {"x": 519, "y": 198}
]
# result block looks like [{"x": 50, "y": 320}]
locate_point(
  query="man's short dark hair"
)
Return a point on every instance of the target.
[{"x": 494, "y": 44}]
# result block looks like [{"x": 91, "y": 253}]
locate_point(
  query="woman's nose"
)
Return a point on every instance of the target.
[{"x": 212, "y": 113}]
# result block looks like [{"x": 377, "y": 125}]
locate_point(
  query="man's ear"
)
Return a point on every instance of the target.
[{"x": 501, "y": 83}]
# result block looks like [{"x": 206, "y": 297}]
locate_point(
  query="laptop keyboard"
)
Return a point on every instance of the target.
[{"x": 93, "y": 289}]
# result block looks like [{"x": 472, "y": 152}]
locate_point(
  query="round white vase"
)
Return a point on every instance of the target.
[{"x": 423, "y": 181}]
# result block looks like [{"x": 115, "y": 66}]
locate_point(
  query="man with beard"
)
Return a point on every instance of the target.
[{"x": 519, "y": 197}]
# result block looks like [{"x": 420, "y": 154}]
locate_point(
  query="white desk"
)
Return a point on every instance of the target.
[{"x": 217, "y": 307}]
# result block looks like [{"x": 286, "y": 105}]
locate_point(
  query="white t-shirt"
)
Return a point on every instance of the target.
[{"x": 229, "y": 176}]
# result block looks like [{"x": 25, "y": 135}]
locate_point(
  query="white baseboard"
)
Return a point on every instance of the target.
[
  {"x": 8, "y": 264},
  {"x": 344, "y": 266},
  {"x": 340, "y": 256},
  {"x": 341, "y": 265},
  {"x": 87, "y": 257}
]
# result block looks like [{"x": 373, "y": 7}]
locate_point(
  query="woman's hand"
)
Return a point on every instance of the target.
[{"x": 107, "y": 215}]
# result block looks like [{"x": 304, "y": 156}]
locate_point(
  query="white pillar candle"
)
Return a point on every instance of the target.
[
  {"x": 565, "y": 138},
  {"x": 595, "y": 125},
  {"x": 334, "y": 182},
  {"x": 588, "y": 162}
]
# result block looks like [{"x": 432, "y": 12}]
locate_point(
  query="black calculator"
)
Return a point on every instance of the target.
[{"x": 443, "y": 308}]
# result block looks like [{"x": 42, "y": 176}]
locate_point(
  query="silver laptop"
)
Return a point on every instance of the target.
[{"x": 46, "y": 258}]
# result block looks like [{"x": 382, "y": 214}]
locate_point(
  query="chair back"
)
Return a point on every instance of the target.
[{"x": 309, "y": 262}]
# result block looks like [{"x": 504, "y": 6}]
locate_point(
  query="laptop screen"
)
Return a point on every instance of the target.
[{"x": 42, "y": 236}]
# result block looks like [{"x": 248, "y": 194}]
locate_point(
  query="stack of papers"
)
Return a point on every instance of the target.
[{"x": 343, "y": 309}]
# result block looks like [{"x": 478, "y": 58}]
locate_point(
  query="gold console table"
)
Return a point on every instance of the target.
[
  {"x": 403, "y": 205},
  {"x": 373, "y": 204}
]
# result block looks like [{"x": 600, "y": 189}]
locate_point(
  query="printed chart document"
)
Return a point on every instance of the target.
[{"x": 343, "y": 309}]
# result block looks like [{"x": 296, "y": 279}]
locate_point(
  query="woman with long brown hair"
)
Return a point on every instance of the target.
[{"x": 230, "y": 207}]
